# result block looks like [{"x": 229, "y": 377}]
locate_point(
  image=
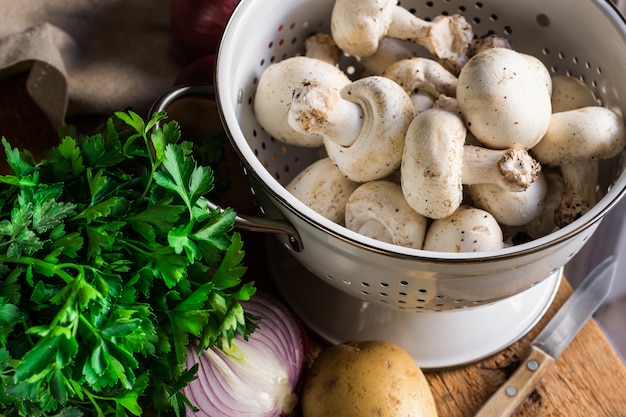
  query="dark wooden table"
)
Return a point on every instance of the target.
[{"x": 588, "y": 380}]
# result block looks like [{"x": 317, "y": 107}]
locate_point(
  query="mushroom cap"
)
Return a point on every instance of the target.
[
  {"x": 377, "y": 209},
  {"x": 274, "y": 92},
  {"x": 323, "y": 188},
  {"x": 569, "y": 93},
  {"x": 505, "y": 98},
  {"x": 431, "y": 169},
  {"x": 511, "y": 208},
  {"x": 468, "y": 229},
  {"x": 544, "y": 223},
  {"x": 580, "y": 134},
  {"x": 322, "y": 46},
  {"x": 359, "y": 25},
  {"x": 377, "y": 151}
]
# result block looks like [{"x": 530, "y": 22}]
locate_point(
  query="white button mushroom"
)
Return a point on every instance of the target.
[
  {"x": 377, "y": 209},
  {"x": 505, "y": 98},
  {"x": 436, "y": 163},
  {"x": 592, "y": 132},
  {"x": 468, "y": 229},
  {"x": 511, "y": 208},
  {"x": 575, "y": 145},
  {"x": 323, "y": 188},
  {"x": 569, "y": 93},
  {"x": 420, "y": 73},
  {"x": 363, "y": 124},
  {"x": 322, "y": 46},
  {"x": 275, "y": 89},
  {"x": 544, "y": 223},
  {"x": 430, "y": 169},
  {"x": 358, "y": 27},
  {"x": 423, "y": 79},
  {"x": 575, "y": 141}
]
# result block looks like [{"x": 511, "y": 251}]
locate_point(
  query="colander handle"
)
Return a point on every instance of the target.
[{"x": 252, "y": 223}]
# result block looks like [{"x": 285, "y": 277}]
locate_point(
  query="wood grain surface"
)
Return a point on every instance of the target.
[{"x": 588, "y": 380}]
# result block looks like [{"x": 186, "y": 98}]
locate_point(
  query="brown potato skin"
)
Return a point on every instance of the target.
[{"x": 366, "y": 378}]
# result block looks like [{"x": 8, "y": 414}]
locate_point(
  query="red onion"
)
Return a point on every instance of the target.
[
  {"x": 253, "y": 378},
  {"x": 201, "y": 71},
  {"x": 197, "y": 25}
]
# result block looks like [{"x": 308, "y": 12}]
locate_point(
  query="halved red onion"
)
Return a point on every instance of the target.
[{"x": 253, "y": 378}]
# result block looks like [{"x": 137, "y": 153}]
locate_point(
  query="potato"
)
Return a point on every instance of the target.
[{"x": 366, "y": 378}]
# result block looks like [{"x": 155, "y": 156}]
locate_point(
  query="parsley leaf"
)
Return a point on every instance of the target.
[{"x": 111, "y": 262}]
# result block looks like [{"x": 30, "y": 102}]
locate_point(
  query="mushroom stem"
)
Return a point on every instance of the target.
[
  {"x": 359, "y": 25},
  {"x": 446, "y": 37},
  {"x": 447, "y": 103},
  {"x": 320, "y": 109},
  {"x": 422, "y": 74},
  {"x": 363, "y": 124},
  {"x": 490, "y": 41},
  {"x": 510, "y": 169},
  {"x": 579, "y": 190}
]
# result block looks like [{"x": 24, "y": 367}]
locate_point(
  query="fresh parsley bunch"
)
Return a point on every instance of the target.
[{"x": 110, "y": 262}]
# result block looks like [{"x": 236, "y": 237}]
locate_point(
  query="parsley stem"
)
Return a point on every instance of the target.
[
  {"x": 134, "y": 245},
  {"x": 93, "y": 398},
  {"x": 153, "y": 167},
  {"x": 51, "y": 268}
]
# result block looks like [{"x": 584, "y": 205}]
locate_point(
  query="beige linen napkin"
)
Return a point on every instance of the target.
[{"x": 88, "y": 57}]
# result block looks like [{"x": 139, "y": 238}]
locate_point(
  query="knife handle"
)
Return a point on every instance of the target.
[{"x": 505, "y": 401}]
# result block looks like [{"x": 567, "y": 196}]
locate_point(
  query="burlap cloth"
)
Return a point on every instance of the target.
[{"x": 89, "y": 56}]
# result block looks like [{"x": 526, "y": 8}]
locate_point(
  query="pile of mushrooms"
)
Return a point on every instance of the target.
[{"x": 464, "y": 150}]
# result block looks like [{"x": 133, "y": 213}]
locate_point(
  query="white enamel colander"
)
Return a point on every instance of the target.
[{"x": 444, "y": 308}]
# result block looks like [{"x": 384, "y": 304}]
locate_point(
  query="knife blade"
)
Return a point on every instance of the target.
[{"x": 552, "y": 340}]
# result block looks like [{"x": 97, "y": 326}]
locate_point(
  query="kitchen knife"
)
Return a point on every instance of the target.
[{"x": 552, "y": 340}]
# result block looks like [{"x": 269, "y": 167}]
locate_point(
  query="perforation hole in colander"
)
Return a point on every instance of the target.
[{"x": 404, "y": 295}]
